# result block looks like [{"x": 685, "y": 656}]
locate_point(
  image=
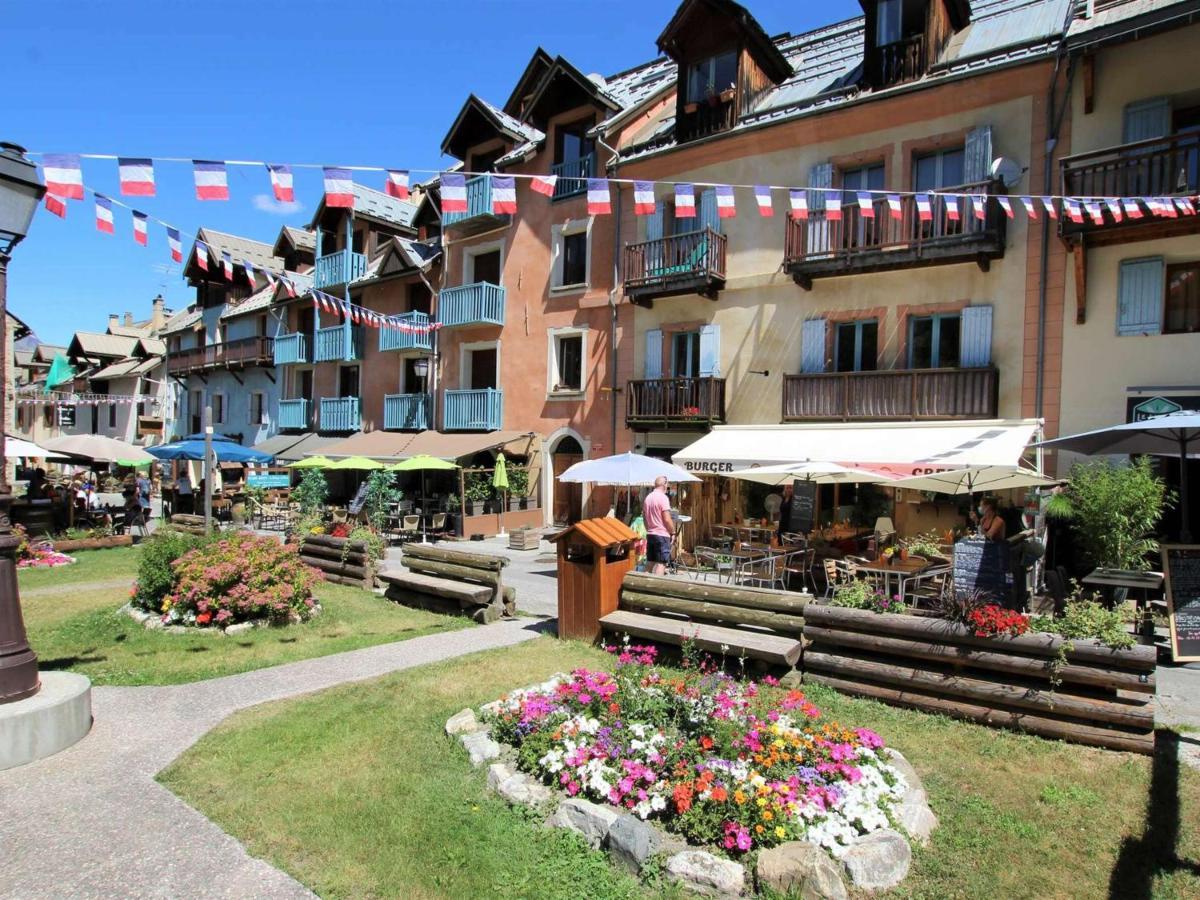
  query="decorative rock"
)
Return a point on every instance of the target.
[
  {"x": 152, "y": 623},
  {"x": 801, "y": 869},
  {"x": 480, "y": 747},
  {"x": 138, "y": 615},
  {"x": 239, "y": 628},
  {"x": 462, "y": 722},
  {"x": 916, "y": 790},
  {"x": 917, "y": 820},
  {"x": 878, "y": 860},
  {"x": 706, "y": 874},
  {"x": 516, "y": 787},
  {"x": 589, "y": 819},
  {"x": 631, "y": 842}
]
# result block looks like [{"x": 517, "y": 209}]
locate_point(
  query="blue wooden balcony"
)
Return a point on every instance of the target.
[
  {"x": 340, "y": 414},
  {"x": 481, "y": 303},
  {"x": 479, "y": 410},
  {"x": 406, "y": 412},
  {"x": 339, "y": 268},
  {"x": 395, "y": 339},
  {"x": 573, "y": 175},
  {"x": 332, "y": 345},
  {"x": 291, "y": 349},
  {"x": 294, "y": 415},
  {"x": 479, "y": 215}
]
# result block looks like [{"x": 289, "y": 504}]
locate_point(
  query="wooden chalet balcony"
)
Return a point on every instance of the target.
[
  {"x": 479, "y": 215},
  {"x": 819, "y": 247},
  {"x": 339, "y": 414},
  {"x": 573, "y": 175},
  {"x": 339, "y": 268},
  {"x": 295, "y": 414},
  {"x": 688, "y": 263},
  {"x": 239, "y": 354},
  {"x": 473, "y": 410},
  {"x": 1160, "y": 167},
  {"x": 892, "y": 394},
  {"x": 705, "y": 119},
  {"x": 902, "y": 61},
  {"x": 675, "y": 403}
]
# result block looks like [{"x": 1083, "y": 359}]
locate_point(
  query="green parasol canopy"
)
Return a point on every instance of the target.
[
  {"x": 312, "y": 462},
  {"x": 356, "y": 463},
  {"x": 134, "y": 463},
  {"x": 500, "y": 475},
  {"x": 422, "y": 462},
  {"x": 60, "y": 371}
]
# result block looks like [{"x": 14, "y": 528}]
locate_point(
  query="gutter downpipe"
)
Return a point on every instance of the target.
[{"x": 612, "y": 299}]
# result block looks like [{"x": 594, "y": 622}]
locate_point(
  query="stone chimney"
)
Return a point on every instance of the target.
[
  {"x": 158, "y": 313},
  {"x": 113, "y": 320},
  {"x": 128, "y": 320}
]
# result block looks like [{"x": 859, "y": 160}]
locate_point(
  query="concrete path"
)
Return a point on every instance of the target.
[{"x": 92, "y": 822}]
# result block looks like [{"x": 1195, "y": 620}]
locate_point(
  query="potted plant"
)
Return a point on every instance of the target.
[
  {"x": 478, "y": 492},
  {"x": 518, "y": 486},
  {"x": 453, "y": 520}
]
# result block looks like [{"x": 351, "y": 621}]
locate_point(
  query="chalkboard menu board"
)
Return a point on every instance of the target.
[
  {"x": 360, "y": 499},
  {"x": 983, "y": 565},
  {"x": 804, "y": 508},
  {"x": 1181, "y": 567}
]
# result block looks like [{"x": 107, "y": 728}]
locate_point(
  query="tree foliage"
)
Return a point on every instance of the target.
[
  {"x": 382, "y": 495},
  {"x": 311, "y": 492}
]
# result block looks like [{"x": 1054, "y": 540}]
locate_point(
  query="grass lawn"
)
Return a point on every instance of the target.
[
  {"x": 357, "y": 793},
  {"x": 75, "y": 626}
]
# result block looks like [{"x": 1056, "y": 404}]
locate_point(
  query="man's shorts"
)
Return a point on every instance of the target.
[{"x": 658, "y": 548}]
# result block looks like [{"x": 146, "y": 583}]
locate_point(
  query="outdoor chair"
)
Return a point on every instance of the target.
[
  {"x": 437, "y": 524},
  {"x": 925, "y": 591},
  {"x": 722, "y": 536},
  {"x": 765, "y": 571},
  {"x": 799, "y": 565},
  {"x": 711, "y": 561},
  {"x": 838, "y": 573},
  {"x": 792, "y": 537},
  {"x": 410, "y": 528}
]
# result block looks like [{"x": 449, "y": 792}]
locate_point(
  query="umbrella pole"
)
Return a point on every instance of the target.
[
  {"x": 424, "y": 511},
  {"x": 1185, "y": 531},
  {"x": 208, "y": 474}
]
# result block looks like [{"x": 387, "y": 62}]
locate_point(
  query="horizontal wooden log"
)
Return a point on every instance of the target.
[
  {"x": 446, "y": 570},
  {"x": 357, "y": 557},
  {"x": 417, "y": 600},
  {"x": 941, "y": 631},
  {"x": 509, "y": 601},
  {"x": 460, "y": 592},
  {"x": 985, "y": 693},
  {"x": 187, "y": 519},
  {"x": 1094, "y": 676},
  {"x": 712, "y": 612},
  {"x": 96, "y": 543},
  {"x": 730, "y": 595},
  {"x": 332, "y": 567},
  {"x": 338, "y": 543},
  {"x": 715, "y": 639},
  {"x": 347, "y": 580},
  {"x": 455, "y": 557},
  {"x": 1053, "y": 728}
]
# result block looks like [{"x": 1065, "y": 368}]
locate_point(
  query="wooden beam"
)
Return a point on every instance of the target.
[
  {"x": 1089, "y": 84},
  {"x": 1079, "y": 253}
]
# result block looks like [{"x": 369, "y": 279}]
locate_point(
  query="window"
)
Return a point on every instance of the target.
[
  {"x": 218, "y": 409},
  {"x": 566, "y": 360},
  {"x": 479, "y": 365},
  {"x": 856, "y": 346},
  {"x": 941, "y": 169},
  {"x": 485, "y": 161},
  {"x": 359, "y": 240},
  {"x": 933, "y": 341},
  {"x": 1140, "y": 289},
  {"x": 257, "y": 408},
  {"x": 260, "y": 326},
  {"x": 571, "y": 142},
  {"x": 887, "y": 22},
  {"x": 685, "y": 354},
  {"x": 571, "y": 246},
  {"x": 112, "y": 415},
  {"x": 483, "y": 266},
  {"x": 348, "y": 381},
  {"x": 1182, "y": 315},
  {"x": 329, "y": 241},
  {"x": 382, "y": 239},
  {"x": 419, "y": 298},
  {"x": 712, "y": 76}
]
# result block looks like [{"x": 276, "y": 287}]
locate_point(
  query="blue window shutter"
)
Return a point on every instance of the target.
[
  {"x": 819, "y": 176},
  {"x": 977, "y": 155},
  {"x": 710, "y": 351},
  {"x": 654, "y": 223},
  {"x": 817, "y": 241},
  {"x": 653, "y": 363},
  {"x": 975, "y": 341},
  {"x": 1146, "y": 119},
  {"x": 708, "y": 210},
  {"x": 1140, "y": 293},
  {"x": 812, "y": 346}
]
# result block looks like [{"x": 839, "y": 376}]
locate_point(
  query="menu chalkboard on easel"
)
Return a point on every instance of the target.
[
  {"x": 1181, "y": 571},
  {"x": 359, "y": 501},
  {"x": 804, "y": 507}
]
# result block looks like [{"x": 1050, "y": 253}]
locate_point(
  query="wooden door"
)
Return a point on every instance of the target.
[{"x": 568, "y": 497}]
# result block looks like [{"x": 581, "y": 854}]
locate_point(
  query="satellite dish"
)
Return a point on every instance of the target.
[{"x": 1007, "y": 171}]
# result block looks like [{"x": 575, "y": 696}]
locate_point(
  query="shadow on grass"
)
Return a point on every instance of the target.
[
  {"x": 1141, "y": 859},
  {"x": 67, "y": 662}
]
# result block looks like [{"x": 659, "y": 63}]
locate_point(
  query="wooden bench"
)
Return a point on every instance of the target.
[
  {"x": 342, "y": 560},
  {"x": 452, "y": 581},
  {"x": 760, "y": 624}
]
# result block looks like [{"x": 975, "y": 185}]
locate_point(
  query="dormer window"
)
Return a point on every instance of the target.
[
  {"x": 888, "y": 25},
  {"x": 712, "y": 77},
  {"x": 905, "y": 37}
]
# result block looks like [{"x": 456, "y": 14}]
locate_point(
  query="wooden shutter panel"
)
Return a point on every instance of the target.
[
  {"x": 1146, "y": 119},
  {"x": 977, "y": 157},
  {"x": 820, "y": 176},
  {"x": 975, "y": 340},
  {"x": 710, "y": 351},
  {"x": 652, "y": 367},
  {"x": 654, "y": 223},
  {"x": 708, "y": 210},
  {"x": 1140, "y": 296},
  {"x": 812, "y": 346}
]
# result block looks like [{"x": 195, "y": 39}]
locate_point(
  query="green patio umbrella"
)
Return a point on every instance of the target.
[
  {"x": 60, "y": 371},
  {"x": 356, "y": 464},
  {"x": 500, "y": 483},
  {"x": 311, "y": 462},
  {"x": 422, "y": 463},
  {"x": 134, "y": 463}
]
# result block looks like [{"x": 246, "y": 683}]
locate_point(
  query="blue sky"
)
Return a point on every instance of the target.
[{"x": 356, "y": 83}]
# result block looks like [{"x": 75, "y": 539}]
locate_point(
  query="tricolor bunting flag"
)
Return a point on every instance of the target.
[
  {"x": 325, "y": 304},
  {"x": 1030, "y": 209},
  {"x": 137, "y": 176},
  {"x": 924, "y": 208},
  {"x": 316, "y": 303},
  {"x": 288, "y": 286},
  {"x": 866, "y": 205},
  {"x": 798, "y": 200},
  {"x": 250, "y": 274},
  {"x": 951, "y": 206},
  {"x": 1167, "y": 207},
  {"x": 141, "y": 227},
  {"x": 1095, "y": 210},
  {"x": 56, "y": 205},
  {"x": 1114, "y": 209},
  {"x": 397, "y": 183},
  {"x": 174, "y": 245},
  {"x": 212, "y": 182},
  {"x": 202, "y": 255},
  {"x": 270, "y": 278},
  {"x": 979, "y": 204},
  {"x": 104, "y": 215},
  {"x": 1132, "y": 208},
  {"x": 1074, "y": 210},
  {"x": 454, "y": 192},
  {"x": 339, "y": 188},
  {"x": 1051, "y": 209},
  {"x": 281, "y": 182},
  {"x": 762, "y": 196},
  {"x": 685, "y": 201},
  {"x": 726, "y": 206},
  {"x": 598, "y": 201},
  {"x": 1005, "y": 205},
  {"x": 643, "y": 198},
  {"x": 1184, "y": 205},
  {"x": 544, "y": 184},
  {"x": 895, "y": 207},
  {"x": 227, "y": 265},
  {"x": 504, "y": 194},
  {"x": 833, "y": 206},
  {"x": 64, "y": 175}
]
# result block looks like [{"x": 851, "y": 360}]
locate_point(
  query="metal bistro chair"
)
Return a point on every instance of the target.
[
  {"x": 410, "y": 528},
  {"x": 722, "y": 536},
  {"x": 710, "y": 561},
  {"x": 765, "y": 571},
  {"x": 799, "y": 564},
  {"x": 925, "y": 591},
  {"x": 437, "y": 524},
  {"x": 838, "y": 573}
]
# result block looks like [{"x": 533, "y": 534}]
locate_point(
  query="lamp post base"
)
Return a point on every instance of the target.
[{"x": 18, "y": 663}]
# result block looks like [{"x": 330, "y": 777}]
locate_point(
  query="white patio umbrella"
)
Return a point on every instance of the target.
[
  {"x": 808, "y": 470},
  {"x": 976, "y": 479},
  {"x": 625, "y": 469},
  {"x": 14, "y": 447},
  {"x": 99, "y": 448}
]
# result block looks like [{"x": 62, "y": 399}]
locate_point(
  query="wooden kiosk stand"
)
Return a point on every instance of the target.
[{"x": 593, "y": 557}]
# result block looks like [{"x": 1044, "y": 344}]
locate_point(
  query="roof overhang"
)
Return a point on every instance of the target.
[
  {"x": 773, "y": 63},
  {"x": 473, "y": 125}
]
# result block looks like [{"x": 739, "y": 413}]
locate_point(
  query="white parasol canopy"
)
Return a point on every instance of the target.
[
  {"x": 99, "y": 448},
  {"x": 624, "y": 469},
  {"x": 976, "y": 479},
  {"x": 809, "y": 470}
]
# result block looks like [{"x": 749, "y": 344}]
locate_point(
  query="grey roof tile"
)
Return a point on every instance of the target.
[
  {"x": 374, "y": 203},
  {"x": 239, "y": 248},
  {"x": 182, "y": 320}
]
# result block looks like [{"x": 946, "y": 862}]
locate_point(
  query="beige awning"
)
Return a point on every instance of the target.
[
  {"x": 390, "y": 446},
  {"x": 385, "y": 446}
]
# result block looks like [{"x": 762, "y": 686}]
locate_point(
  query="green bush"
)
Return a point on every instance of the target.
[
  {"x": 156, "y": 578},
  {"x": 1087, "y": 620},
  {"x": 376, "y": 545},
  {"x": 382, "y": 495},
  {"x": 311, "y": 492},
  {"x": 518, "y": 481},
  {"x": 864, "y": 595}
]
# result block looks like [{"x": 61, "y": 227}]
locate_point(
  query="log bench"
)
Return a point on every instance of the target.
[
  {"x": 341, "y": 560},
  {"x": 452, "y": 581}
]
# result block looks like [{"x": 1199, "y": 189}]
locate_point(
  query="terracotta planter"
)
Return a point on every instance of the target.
[{"x": 99, "y": 543}]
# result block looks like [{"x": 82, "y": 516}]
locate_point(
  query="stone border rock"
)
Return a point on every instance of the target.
[
  {"x": 876, "y": 861},
  {"x": 153, "y": 622}
]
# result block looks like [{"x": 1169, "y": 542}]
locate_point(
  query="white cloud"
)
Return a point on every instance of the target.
[{"x": 268, "y": 204}]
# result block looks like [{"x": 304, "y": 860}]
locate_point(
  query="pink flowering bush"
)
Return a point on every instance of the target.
[
  {"x": 37, "y": 554},
  {"x": 238, "y": 578},
  {"x": 737, "y": 763}
]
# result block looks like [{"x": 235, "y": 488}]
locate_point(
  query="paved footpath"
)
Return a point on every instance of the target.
[{"x": 92, "y": 821}]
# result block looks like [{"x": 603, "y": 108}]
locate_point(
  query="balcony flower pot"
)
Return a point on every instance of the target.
[{"x": 469, "y": 507}]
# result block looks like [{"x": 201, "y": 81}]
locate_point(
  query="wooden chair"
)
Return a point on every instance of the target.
[{"x": 925, "y": 591}]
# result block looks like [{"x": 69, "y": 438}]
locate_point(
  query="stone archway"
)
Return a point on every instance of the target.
[{"x": 563, "y": 450}]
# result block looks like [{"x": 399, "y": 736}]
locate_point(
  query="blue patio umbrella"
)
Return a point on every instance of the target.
[{"x": 224, "y": 450}]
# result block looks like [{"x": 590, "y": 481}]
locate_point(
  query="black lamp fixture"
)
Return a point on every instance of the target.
[{"x": 421, "y": 367}]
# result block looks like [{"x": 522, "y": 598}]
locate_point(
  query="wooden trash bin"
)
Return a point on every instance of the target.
[{"x": 593, "y": 557}]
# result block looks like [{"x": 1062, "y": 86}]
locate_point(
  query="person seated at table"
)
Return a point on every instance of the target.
[
  {"x": 183, "y": 493},
  {"x": 660, "y": 526},
  {"x": 990, "y": 525}
]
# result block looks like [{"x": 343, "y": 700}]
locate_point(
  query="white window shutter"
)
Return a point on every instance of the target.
[
  {"x": 975, "y": 341},
  {"x": 1146, "y": 119},
  {"x": 652, "y": 367},
  {"x": 556, "y": 255},
  {"x": 1140, "y": 293},
  {"x": 812, "y": 346},
  {"x": 710, "y": 351},
  {"x": 977, "y": 155}
]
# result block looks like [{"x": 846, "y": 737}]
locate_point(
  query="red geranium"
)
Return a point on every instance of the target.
[{"x": 993, "y": 620}]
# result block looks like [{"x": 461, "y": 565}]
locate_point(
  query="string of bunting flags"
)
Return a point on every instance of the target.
[{"x": 62, "y": 398}]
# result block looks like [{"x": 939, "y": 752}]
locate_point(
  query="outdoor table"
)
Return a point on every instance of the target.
[
  {"x": 899, "y": 568},
  {"x": 1132, "y": 580}
]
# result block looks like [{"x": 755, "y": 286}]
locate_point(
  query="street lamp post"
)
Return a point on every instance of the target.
[
  {"x": 20, "y": 192},
  {"x": 421, "y": 370}
]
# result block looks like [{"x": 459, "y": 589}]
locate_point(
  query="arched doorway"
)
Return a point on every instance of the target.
[{"x": 568, "y": 498}]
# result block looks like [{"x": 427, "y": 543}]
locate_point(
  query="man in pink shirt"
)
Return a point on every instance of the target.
[{"x": 656, "y": 514}]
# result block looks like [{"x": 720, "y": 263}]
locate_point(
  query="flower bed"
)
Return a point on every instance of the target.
[{"x": 37, "y": 554}]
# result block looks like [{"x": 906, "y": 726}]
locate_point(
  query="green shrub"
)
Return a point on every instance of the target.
[
  {"x": 311, "y": 492},
  {"x": 1087, "y": 620},
  {"x": 382, "y": 495},
  {"x": 927, "y": 544},
  {"x": 376, "y": 545},
  {"x": 864, "y": 595},
  {"x": 156, "y": 577}
]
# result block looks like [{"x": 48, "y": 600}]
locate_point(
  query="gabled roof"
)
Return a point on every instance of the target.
[
  {"x": 256, "y": 302},
  {"x": 45, "y": 353},
  {"x": 94, "y": 345},
  {"x": 761, "y": 47},
  {"x": 133, "y": 331},
  {"x": 303, "y": 283},
  {"x": 372, "y": 204},
  {"x": 535, "y": 70},
  {"x": 298, "y": 238},
  {"x": 260, "y": 255},
  {"x": 479, "y": 113},
  {"x": 126, "y": 368},
  {"x": 400, "y": 256},
  {"x": 1127, "y": 20},
  {"x": 182, "y": 320},
  {"x": 150, "y": 346}
]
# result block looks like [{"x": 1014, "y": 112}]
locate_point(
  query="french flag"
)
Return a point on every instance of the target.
[
  {"x": 212, "y": 182},
  {"x": 866, "y": 205},
  {"x": 281, "y": 183},
  {"x": 599, "y": 203},
  {"x": 643, "y": 198},
  {"x": 290, "y": 288},
  {"x": 173, "y": 243},
  {"x": 1051, "y": 209},
  {"x": 1074, "y": 211},
  {"x": 799, "y": 204},
  {"x": 1132, "y": 209},
  {"x": 894, "y": 206},
  {"x": 1114, "y": 209},
  {"x": 325, "y": 304},
  {"x": 544, "y": 184},
  {"x": 1095, "y": 210},
  {"x": 227, "y": 265},
  {"x": 397, "y": 183},
  {"x": 1167, "y": 208},
  {"x": 202, "y": 255},
  {"x": 137, "y": 176},
  {"x": 979, "y": 204},
  {"x": 64, "y": 175},
  {"x": 762, "y": 196},
  {"x": 56, "y": 205},
  {"x": 141, "y": 232},
  {"x": 725, "y": 202},
  {"x": 1005, "y": 205},
  {"x": 504, "y": 194},
  {"x": 685, "y": 202},
  {"x": 339, "y": 188},
  {"x": 951, "y": 207},
  {"x": 454, "y": 193},
  {"x": 833, "y": 206},
  {"x": 270, "y": 278},
  {"x": 924, "y": 208},
  {"x": 250, "y": 274},
  {"x": 104, "y": 214},
  {"x": 1030, "y": 209},
  {"x": 1184, "y": 204}
]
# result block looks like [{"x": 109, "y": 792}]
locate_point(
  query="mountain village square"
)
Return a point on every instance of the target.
[{"x": 740, "y": 462}]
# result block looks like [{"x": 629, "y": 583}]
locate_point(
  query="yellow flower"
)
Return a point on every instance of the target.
[
  {"x": 761, "y": 801},
  {"x": 739, "y": 798},
  {"x": 779, "y": 831}
]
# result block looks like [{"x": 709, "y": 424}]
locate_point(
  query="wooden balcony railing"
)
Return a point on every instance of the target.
[
  {"x": 239, "y": 354},
  {"x": 295, "y": 414},
  {"x": 820, "y": 246},
  {"x": 692, "y": 262},
  {"x": 696, "y": 403},
  {"x": 892, "y": 394},
  {"x": 340, "y": 414},
  {"x": 573, "y": 175},
  {"x": 473, "y": 410},
  {"x": 338, "y": 268},
  {"x": 902, "y": 61},
  {"x": 291, "y": 349},
  {"x": 707, "y": 118}
]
